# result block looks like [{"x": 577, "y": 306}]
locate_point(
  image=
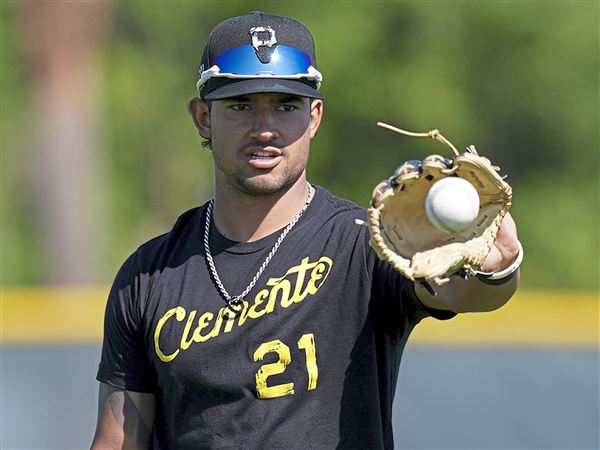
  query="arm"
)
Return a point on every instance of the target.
[
  {"x": 474, "y": 295},
  {"x": 125, "y": 419}
]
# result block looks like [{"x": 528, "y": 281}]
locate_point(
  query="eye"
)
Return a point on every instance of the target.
[
  {"x": 240, "y": 107},
  {"x": 287, "y": 108}
]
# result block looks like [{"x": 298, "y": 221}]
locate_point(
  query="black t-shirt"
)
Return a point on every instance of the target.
[{"x": 312, "y": 360}]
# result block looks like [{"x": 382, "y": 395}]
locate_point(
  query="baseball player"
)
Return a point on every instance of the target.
[{"x": 264, "y": 319}]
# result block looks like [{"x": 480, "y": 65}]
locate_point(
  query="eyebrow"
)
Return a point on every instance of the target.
[
  {"x": 240, "y": 99},
  {"x": 289, "y": 99}
]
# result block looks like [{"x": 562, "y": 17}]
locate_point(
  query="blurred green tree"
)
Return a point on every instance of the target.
[{"x": 517, "y": 79}]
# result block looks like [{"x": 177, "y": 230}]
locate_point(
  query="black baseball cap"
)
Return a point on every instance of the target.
[{"x": 257, "y": 53}]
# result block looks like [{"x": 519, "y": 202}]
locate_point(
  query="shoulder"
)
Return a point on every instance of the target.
[
  {"x": 337, "y": 208},
  {"x": 144, "y": 267},
  {"x": 168, "y": 248},
  {"x": 340, "y": 221}
]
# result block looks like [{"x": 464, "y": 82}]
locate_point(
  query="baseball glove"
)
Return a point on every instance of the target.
[{"x": 402, "y": 234}]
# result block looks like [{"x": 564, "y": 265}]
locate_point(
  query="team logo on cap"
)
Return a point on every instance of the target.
[{"x": 263, "y": 41}]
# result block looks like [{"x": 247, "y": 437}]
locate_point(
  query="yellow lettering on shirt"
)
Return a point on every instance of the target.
[
  {"x": 298, "y": 283},
  {"x": 179, "y": 314}
]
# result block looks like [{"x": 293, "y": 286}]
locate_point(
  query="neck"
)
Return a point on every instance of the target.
[{"x": 246, "y": 218}]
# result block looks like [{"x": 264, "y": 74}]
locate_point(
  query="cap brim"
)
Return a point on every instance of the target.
[{"x": 237, "y": 88}]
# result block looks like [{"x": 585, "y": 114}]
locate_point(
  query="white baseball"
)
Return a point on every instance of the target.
[{"x": 452, "y": 204}]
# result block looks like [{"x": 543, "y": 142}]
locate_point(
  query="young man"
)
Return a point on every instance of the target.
[{"x": 263, "y": 319}]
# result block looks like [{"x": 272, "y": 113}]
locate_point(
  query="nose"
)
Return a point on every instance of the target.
[{"x": 264, "y": 128}]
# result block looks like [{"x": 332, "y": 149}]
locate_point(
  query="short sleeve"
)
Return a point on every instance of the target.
[
  {"x": 424, "y": 310},
  {"x": 396, "y": 296},
  {"x": 125, "y": 363}
]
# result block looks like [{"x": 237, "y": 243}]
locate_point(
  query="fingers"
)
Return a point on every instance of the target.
[{"x": 505, "y": 248}]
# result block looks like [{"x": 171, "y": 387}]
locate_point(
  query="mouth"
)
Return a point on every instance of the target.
[{"x": 263, "y": 157}]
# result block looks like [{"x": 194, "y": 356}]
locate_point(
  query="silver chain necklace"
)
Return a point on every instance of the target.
[{"x": 235, "y": 303}]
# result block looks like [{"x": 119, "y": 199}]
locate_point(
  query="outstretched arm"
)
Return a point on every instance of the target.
[
  {"x": 125, "y": 419},
  {"x": 474, "y": 294}
]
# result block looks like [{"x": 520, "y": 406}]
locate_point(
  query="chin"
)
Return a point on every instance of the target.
[{"x": 265, "y": 185}]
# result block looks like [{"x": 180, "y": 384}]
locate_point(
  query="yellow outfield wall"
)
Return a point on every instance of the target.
[{"x": 532, "y": 318}]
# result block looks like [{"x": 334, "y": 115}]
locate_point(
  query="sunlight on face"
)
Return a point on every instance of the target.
[{"x": 261, "y": 142}]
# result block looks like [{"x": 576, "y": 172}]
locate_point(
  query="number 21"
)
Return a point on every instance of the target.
[{"x": 306, "y": 343}]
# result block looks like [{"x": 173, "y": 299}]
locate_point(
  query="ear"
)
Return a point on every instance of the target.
[
  {"x": 316, "y": 114},
  {"x": 200, "y": 113}
]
